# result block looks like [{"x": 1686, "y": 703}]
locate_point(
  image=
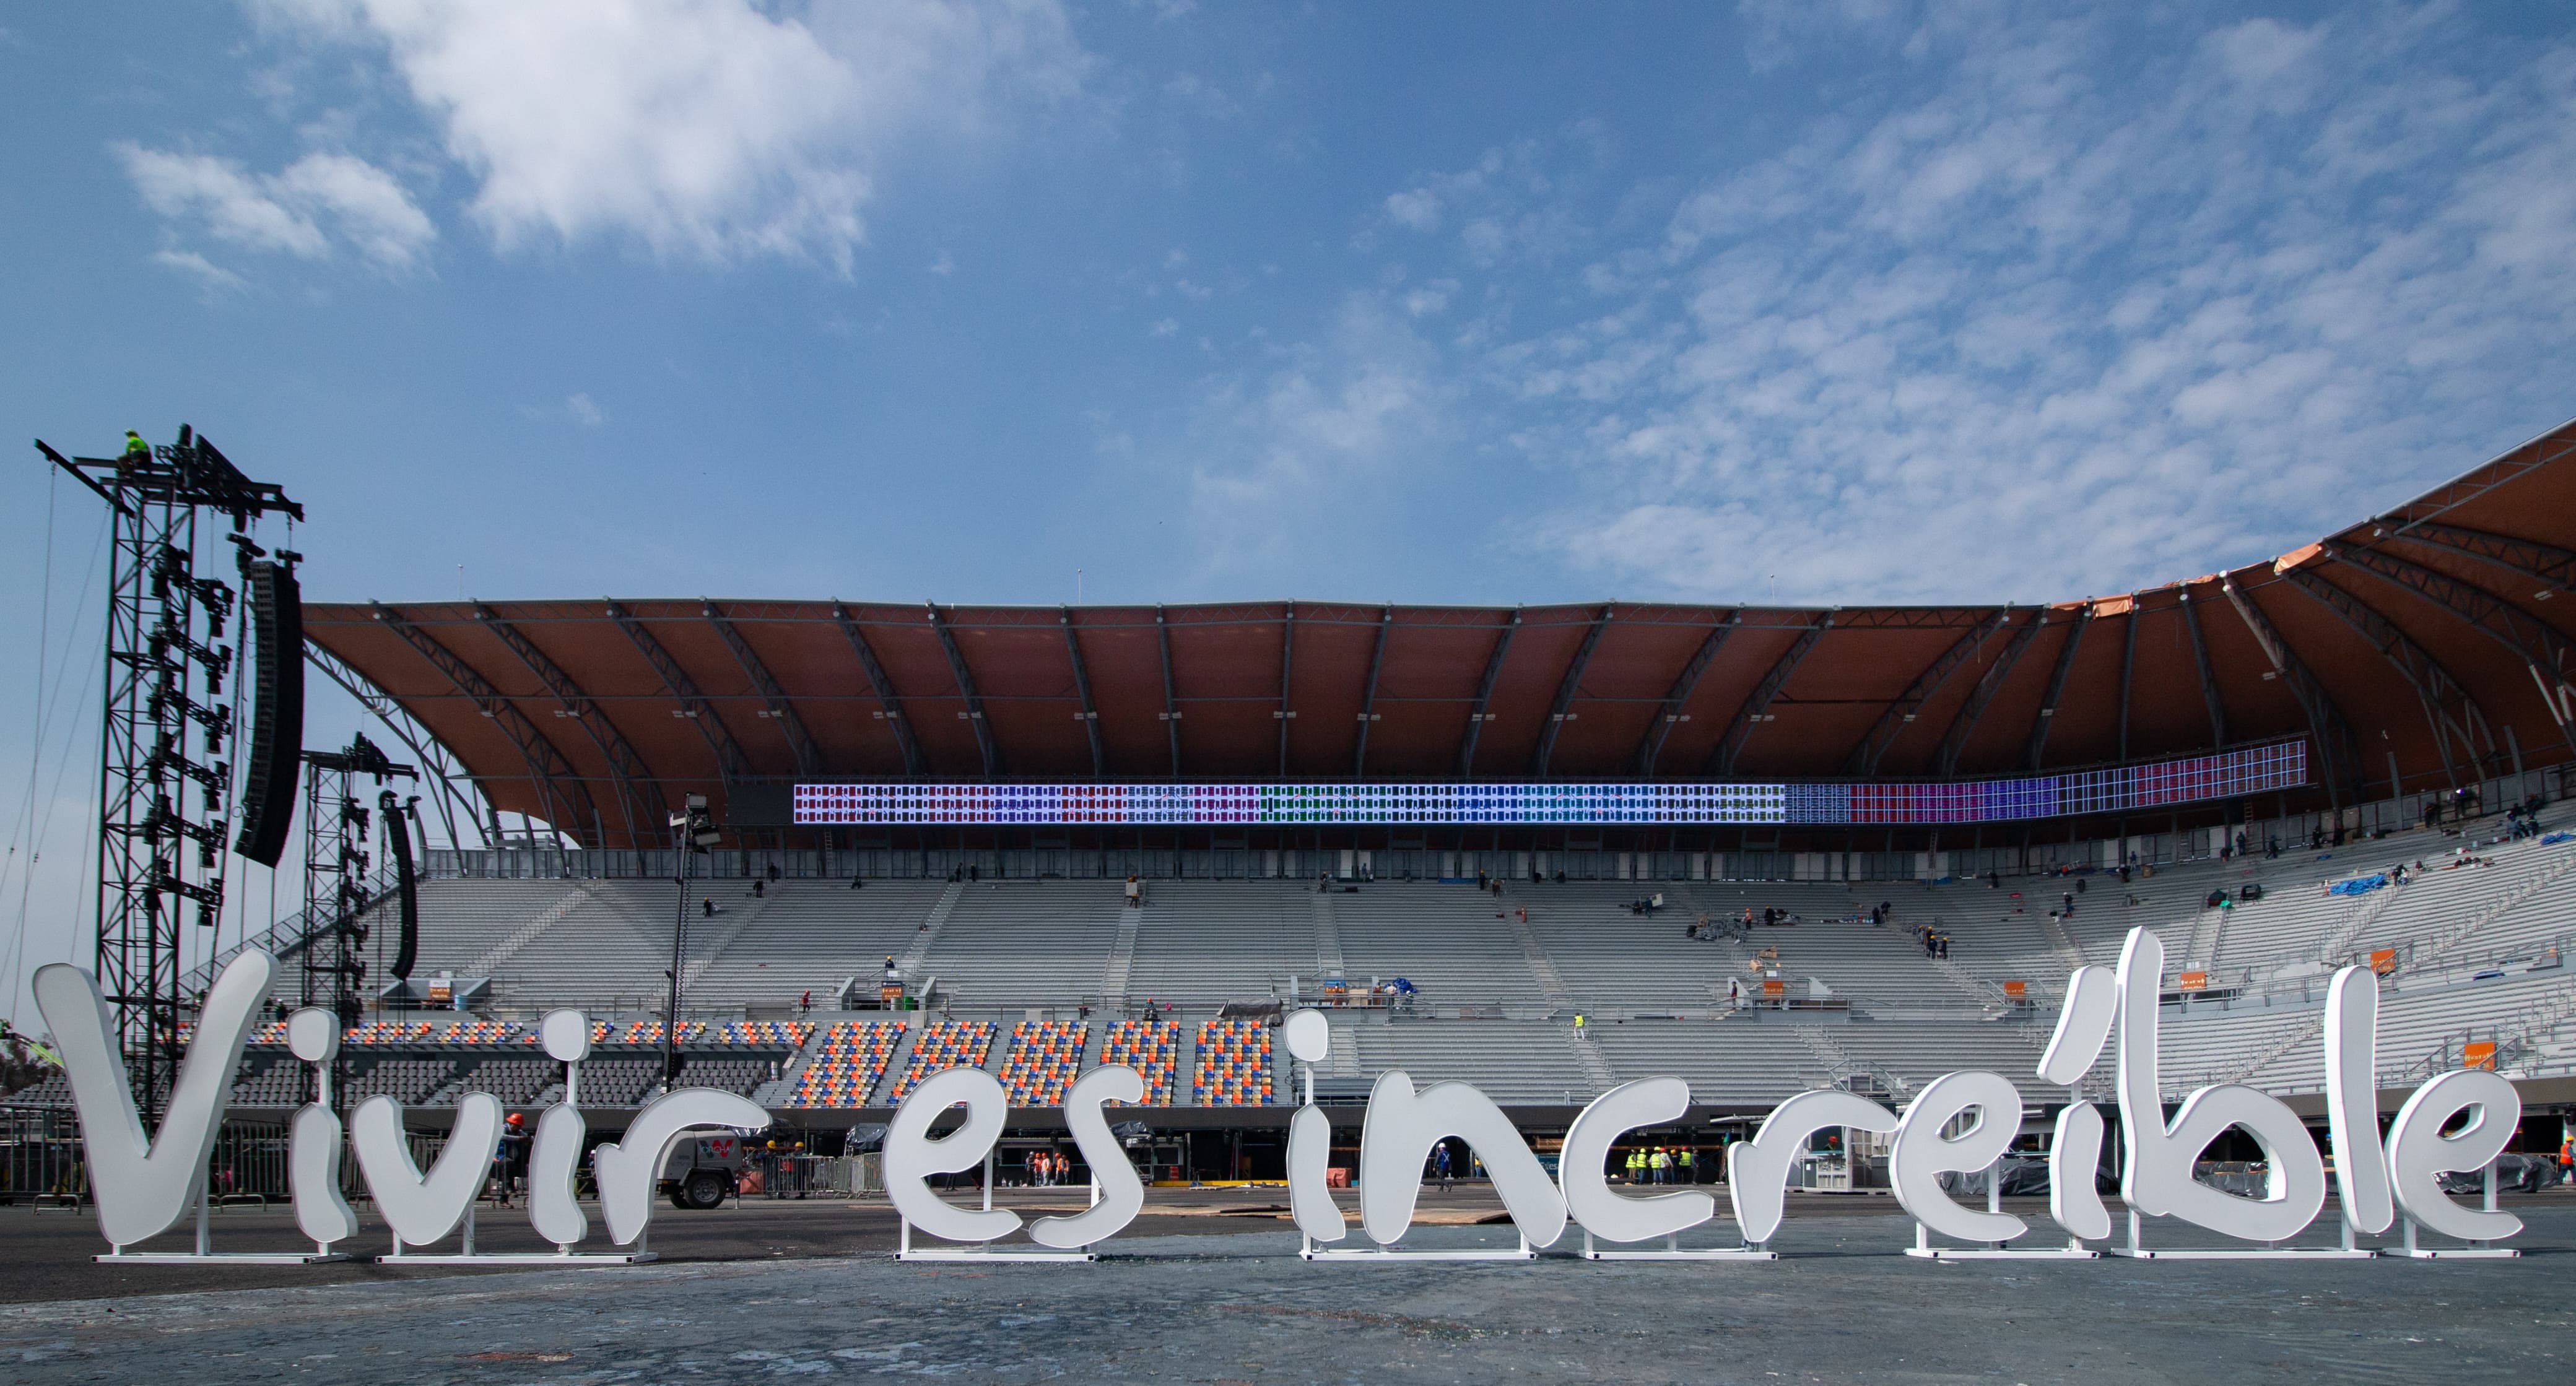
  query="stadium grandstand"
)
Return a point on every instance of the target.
[{"x": 1765, "y": 849}]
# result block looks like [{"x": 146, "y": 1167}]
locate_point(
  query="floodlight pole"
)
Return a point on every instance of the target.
[{"x": 692, "y": 830}]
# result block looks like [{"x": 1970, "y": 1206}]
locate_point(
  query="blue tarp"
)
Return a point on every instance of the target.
[
  {"x": 2359, "y": 885},
  {"x": 2558, "y": 837}
]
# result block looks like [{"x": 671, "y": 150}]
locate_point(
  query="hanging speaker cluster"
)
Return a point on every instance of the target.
[
  {"x": 398, "y": 827},
  {"x": 277, "y": 712}
]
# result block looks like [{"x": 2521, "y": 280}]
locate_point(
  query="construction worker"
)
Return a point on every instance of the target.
[
  {"x": 135, "y": 448},
  {"x": 1689, "y": 1173},
  {"x": 1578, "y": 1024}
]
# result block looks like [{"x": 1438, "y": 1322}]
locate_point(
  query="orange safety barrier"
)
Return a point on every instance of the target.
[
  {"x": 2383, "y": 960},
  {"x": 2478, "y": 1054},
  {"x": 2016, "y": 991},
  {"x": 2192, "y": 981}
]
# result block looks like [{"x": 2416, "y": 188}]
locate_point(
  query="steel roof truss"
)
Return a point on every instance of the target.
[
  {"x": 1721, "y": 758},
  {"x": 2333, "y": 730},
  {"x": 2208, "y": 677},
  {"x": 773, "y": 698},
  {"x": 1284, "y": 714},
  {"x": 1872, "y": 747},
  {"x": 1964, "y": 724},
  {"x": 1368, "y": 696},
  {"x": 2453, "y": 713},
  {"x": 638, "y": 798},
  {"x": 1171, "y": 705},
  {"x": 2540, "y": 647},
  {"x": 891, "y": 711},
  {"x": 966, "y": 690},
  {"x": 2047, "y": 717},
  {"x": 2554, "y": 568},
  {"x": 1566, "y": 687},
  {"x": 1484, "y": 695},
  {"x": 731, "y": 763},
  {"x": 1650, "y": 747},
  {"x": 1082, "y": 684},
  {"x": 558, "y": 789}
]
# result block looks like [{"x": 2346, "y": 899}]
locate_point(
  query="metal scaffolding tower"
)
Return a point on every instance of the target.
[{"x": 167, "y": 734}]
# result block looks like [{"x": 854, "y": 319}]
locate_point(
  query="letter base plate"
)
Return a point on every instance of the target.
[
  {"x": 199, "y": 1258},
  {"x": 2003, "y": 1253},
  {"x": 530, "y": 1259}
]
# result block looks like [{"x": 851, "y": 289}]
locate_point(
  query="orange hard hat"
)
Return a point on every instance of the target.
[{"x": 518, "y": 1119}]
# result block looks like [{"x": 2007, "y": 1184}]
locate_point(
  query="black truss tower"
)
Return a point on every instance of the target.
[
  {"x": 166, "y": 741},
  {"x": 337, "y": 873}
]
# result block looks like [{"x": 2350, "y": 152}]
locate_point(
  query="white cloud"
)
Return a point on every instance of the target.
[
  {"x": 1416, "y": 208},
  {"x": 706, "y": 129},
  {"x": 2070, "y": 308},
  {"x": 1272, "y": 452},
  {"x": 1164, "y": 327},
  {"x": 584, "y": 412},
  {"x": 944, "y": 264},
  {"x": 198, "y": 267},
  {"x": 283, "y": 212}
]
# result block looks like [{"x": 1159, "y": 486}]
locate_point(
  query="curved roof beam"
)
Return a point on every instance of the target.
[
  {"x": 890, "y": 710},
  {"x": 731, "y": 763},
  {"x": 2332, "y": 729},
  {"x": 1171, "y": 705},
  {"x": 1476, "y": 715},
  {"x": 635, "y": 787},
  {"x": 1757, "y": 704},
  {"x": 2128, "y": 672},
  {"x": 1284, "y": 714},
  {"x": 1866, "y": 753},
  {"x": 2554, "y": 568},
  {"x": 561, "y": 791},
  {"x": 2452, "y": 711},
  {"x": 966, "y": 690},
  {"x": 1650, "y": 747},
  {"x": 1368, "y": 696},
  {"x": 445, "y": 769},
  {"x": 1562, "y": 707},
  {"x": 2047, "y": 717},
  {"x": 2540, "y": 648},
  {"x": 2208, "y": 676},
  {"x": 1090, "y": 713},
  {"x": 1964, "y": 724},
  {"x": 775, "y": 706}
]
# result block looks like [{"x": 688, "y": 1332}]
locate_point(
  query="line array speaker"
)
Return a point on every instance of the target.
[
  {"x": 398, "y": 827},
  {"x": 277, "y": 714}
]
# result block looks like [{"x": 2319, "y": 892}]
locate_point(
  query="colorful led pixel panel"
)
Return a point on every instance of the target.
[{"x": 2254, "y": 770}]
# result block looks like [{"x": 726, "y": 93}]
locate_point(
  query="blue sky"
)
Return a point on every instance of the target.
[{"x": 1819, "y": 302}]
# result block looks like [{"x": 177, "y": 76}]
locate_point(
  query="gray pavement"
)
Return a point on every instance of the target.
[{"x": 1226, "y": 1305}]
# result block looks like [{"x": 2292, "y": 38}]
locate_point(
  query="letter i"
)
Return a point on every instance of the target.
[
  {"x": 1310, "y": 1137},
  {"x": 314, "y": 1139},
  {"x": 556, "y": 1155},
  {"x": 2083, "y": 1026}
]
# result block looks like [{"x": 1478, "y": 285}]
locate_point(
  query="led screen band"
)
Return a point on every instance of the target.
[{"x": 2227, "y": 775}]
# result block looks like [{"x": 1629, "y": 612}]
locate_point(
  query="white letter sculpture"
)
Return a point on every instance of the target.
[
  {"x": 1757, "y": 1171},
  {"x": 314, "y": 1140},
  {"x": 2075, "y": 1152},
  {"x": 2352, "y": 1102},
  {"x": 555, "y": 1156},
  {"x": 1310, "y": 1138},
  {"x": 424, "y": 1210},
  {"x": 142, "y": 1184},
  {"x": 911, "y": 1157},
  {"x": 1920, "y": 1155},
  {"x": 2418, "y": 1154},
  {"x": 1119, "y": 1194},
  {"x": 631, "y": 1170},
  {"x": 2158, "y": 1181},
  {"x": 1397, "y": 1136},
  {"x": 1581, "y": 1172}
]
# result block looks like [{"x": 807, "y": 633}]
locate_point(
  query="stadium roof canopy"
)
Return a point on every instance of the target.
[{"x": 2418, "y": 648}]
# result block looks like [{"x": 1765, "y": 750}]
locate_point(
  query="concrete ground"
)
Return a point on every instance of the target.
[{"x": 1206, "y": 1288}]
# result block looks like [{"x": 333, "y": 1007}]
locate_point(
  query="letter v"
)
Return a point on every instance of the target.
[{"x": 143, "y": 1186}]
